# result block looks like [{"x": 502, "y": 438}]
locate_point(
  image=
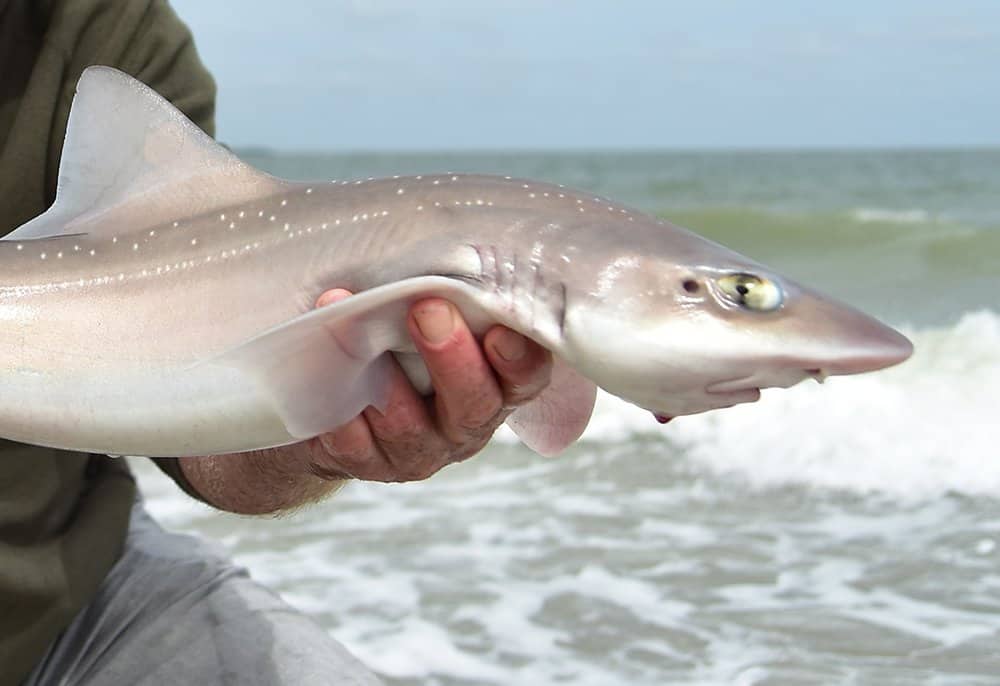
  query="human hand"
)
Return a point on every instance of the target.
[{"x": 475, "y": 388}]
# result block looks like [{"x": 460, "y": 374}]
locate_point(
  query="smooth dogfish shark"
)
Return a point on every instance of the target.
[{"x": 164, "y": 304}]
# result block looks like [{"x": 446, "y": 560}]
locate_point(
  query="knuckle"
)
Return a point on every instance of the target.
[
  {"x": 471, "y": 448},
  {"x": 416, "y": 470},
  {"x": 479, "y": 412},
  {"x": 400, "y": 438},
  {"x": 413, "y": 454},
  {"x": 347, "y": 454},
  {"x": 520, "y": 391}
]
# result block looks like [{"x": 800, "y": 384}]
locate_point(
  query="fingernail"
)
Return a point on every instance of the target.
[
  {"x": 435, "y": 321},
  {"x": 510, "y": 345}
]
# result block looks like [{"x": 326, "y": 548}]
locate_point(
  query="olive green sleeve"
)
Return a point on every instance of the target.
[
  {"x": 162, "y": 55},
  {"x": 171, "y": 466}
]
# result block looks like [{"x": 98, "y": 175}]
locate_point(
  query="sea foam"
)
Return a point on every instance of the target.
[{"x": 868, "y": 215}]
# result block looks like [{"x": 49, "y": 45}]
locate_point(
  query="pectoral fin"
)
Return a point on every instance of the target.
[
  {"x": 324, "y": 367},
  {"x": 556, "y": 418}
]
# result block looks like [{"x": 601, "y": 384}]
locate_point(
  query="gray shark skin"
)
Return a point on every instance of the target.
[{"x": 164, "y": 304}]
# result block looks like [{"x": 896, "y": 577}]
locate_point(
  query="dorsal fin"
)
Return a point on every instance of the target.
[{"x": 131, "y": 155}]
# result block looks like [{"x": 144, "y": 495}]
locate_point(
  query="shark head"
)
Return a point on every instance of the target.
[{"x": 708, "y": 328}]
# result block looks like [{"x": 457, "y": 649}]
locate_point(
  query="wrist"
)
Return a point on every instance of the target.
[{"x": 258, "y": 482}]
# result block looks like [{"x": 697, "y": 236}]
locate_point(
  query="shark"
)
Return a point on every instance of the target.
[{"x": 164, "y": 304}]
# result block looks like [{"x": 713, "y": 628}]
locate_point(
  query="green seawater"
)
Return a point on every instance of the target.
[{"x": 913, "y": 235}]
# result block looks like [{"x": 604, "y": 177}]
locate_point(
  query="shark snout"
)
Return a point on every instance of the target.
[
  {"x": 834, "y": 339},
  {"x": 858, "y": 343},
  {"x": 890, "y": 349},
  {"x": 866, "y": 345}
]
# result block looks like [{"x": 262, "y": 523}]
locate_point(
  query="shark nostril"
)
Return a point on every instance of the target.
[{"x": 691, "y": 286}]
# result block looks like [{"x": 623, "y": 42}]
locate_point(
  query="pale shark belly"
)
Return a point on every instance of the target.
[{"x": 160, "y": 413}]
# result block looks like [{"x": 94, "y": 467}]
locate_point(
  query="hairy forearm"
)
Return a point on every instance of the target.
[{"x": 259, "y": 482}]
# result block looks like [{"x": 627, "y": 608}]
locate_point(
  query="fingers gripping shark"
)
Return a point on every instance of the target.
[{"x": 163, "y": 305}]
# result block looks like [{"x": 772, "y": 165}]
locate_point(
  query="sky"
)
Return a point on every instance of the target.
[{"x": 337, "y": 75}]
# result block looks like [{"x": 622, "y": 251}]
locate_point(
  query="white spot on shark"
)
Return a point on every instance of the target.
[{"x": 608, "y": 276}]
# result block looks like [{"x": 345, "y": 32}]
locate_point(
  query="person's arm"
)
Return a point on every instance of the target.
[{"x": 475, "y": 389}]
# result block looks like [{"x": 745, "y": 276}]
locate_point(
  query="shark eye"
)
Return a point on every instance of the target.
[{"x": 752, "y": 292}]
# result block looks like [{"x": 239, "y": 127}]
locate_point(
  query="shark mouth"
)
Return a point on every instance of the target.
[{"x": 754, "y": 383}]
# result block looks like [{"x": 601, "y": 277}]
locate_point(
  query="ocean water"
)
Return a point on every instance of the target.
[{"x": 845, "y": 533}]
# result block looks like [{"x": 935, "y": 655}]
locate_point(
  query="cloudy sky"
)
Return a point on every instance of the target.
[{"x": 456, "y": 74}]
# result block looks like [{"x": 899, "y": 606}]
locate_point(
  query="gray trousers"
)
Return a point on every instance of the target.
[{"x": 176, "y": 610}]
